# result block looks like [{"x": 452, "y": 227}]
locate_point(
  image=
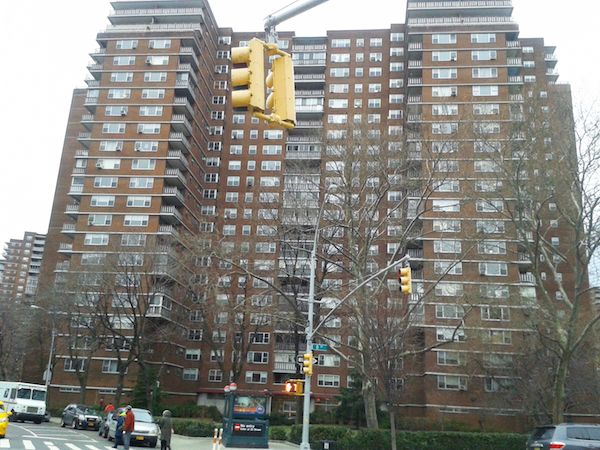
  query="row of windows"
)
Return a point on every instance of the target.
[
  {"x": 345, "y": 57},
  {"x": 373, "y": 42},
  {"x": 394, "y": 83},
  {"x": 132, "y": 44},
  {"x": 344, "y": 72}
]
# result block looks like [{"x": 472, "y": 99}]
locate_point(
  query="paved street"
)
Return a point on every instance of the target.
[{"x": 50, "y": 436}]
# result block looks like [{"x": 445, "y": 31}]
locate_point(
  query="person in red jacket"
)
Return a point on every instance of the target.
[{"x": 128, "y": 426}]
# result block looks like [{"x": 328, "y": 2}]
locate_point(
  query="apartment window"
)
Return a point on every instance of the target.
[
  {"x": 376, "y": 42},
  {"x": 111, "y": 146},
  {"x": 495, "y": 313},
  {"x": 73, "y": 365},
  {"x": 325, "y": 380},
  {"x": 136, "y": 220},
  {"x": 271, "y": 165},
  {"x": 448, "y": 358},
  {"x": 487, "y": 185},
  {"x": 146, "y": 146},
  {"x": 485, "y": 91},
  {"x": 395, "y": 114},
  {"x": 444, "y": 110},
  {"x": 446, "y": 186},
  {"x": 256, "y": 377},
  {"x": 340, "y": 57},
  {"x": 527, "y": 49},
  {"x": 486, "y": 166},
  {"x": 106, "y": 182},
  {"x": 444, "y": 39},
  {"x": 452, "y": 382},
  {"x": 486, "y": 128},
  {"x": 117, "y": 128},
  {"x": 444, "y": 91},
  {"x": 159, "y": 43},
  {"x": 215, "y": 376},
  {"x": 396, "y": 99},
  {"x": 127, "y": 45},
  {"x": 448, "y": 268},
  {"x": 487, "y": 146},
  {"x": 143, "y": 164},
  {"x": 446, "y": 226},
  {"x": 483, "y": 38},
  {"x": 155, "y": 77},
  {"x": 218, "y": 100},
  {"x": 95, "y": 239},
  {"x": 133, "y": 240},
  {"x": 375, "y": 71},
  {"x": 152, "y": 111},
  {"x": 338, "y": 88},
  {"x": 340, "y": 43},
  {"x": 141, "y": 183},
  {"x": 486, "y": 109},
  {"x": 396, "y": 37},
  {"x": 153, "y": 93},
  {"x": 489, "y": 206},
  {"x": 223, "y": 54},
  {"x": 449, "y": 311},
  {"x": 374, "y": 103},
  {"x": 124, "y": 60},
  {"x": 444, "y": 74},
  {"x": 221, "y": 68},
  {"x": 121, "y": 77},
  {"x": 529, "y": 78},
  {"x": 485, "y": 72},
  {"x": 103, "y": 200},
  {"x": 484, "y": 55},
  {"x": 444, "y": 56},
  {"x": 447, "y": 246},
  {"x": 444, "y": 128},
  {"x": 493, "y": 269},
  {"x": 446, "y": 205},
  {"x": 492, "y": 248},
  {"x": 258, "y": 357},
  {"x": 99, "y": 219},
  {"x": 375, "y": 57},
  {"x": 341, "y": 72},
  {"x": 450, "y": 334},
  {"x": 396, "y": 83},
  {"x": 157, "y": 60}
]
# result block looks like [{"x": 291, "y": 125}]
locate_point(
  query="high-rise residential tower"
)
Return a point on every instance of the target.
[{"x": 398, "y": 131}]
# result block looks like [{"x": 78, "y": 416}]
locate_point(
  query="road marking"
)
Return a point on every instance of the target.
[
  {"x": 28, "y": 445},
  {"x": 91, "y": 447},
  {"x": 51, "y": 446},
  {"x": 5, "y": 443},
  {"x": 73, "y": 446}
]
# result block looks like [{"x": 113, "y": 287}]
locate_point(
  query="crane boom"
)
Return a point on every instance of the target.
[{"x": 275, "y": 19}]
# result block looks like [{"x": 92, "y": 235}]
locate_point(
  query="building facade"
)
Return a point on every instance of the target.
[
  {"x": 21, "y": 267},
  {"x": 156, "y": 155}
]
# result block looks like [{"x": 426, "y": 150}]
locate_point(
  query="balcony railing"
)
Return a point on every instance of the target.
[
  {"x": 460, "y": 4},
  {"x": 515, "y": 80},
  {"x": 514, "y": 61},
  {"x": 415, "y": 99},
  {"x": 513, "y": 44},
  {"x": 527, "y": 278},
  {"x": 415, "y": 81},
  {"x": 415, "y": 46},
  {"x": 415, "y": 63},
  {"x": 285, "y": 367},
  {"x": 457, "y": 21},
  {"x": 309, "y": 62},
  {"x": 317, "y": 93},
  {"x": 308, "y": 48}
]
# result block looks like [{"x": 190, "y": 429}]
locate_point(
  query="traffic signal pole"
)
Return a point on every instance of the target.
[{"x": 275, "y": 19}]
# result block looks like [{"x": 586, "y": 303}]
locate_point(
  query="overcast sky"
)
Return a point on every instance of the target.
[{"x": 46, "y": 46}]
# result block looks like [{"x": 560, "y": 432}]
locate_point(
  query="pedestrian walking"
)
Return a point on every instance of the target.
[
  {"x": 166, "y": 429},
  {"x": 119, "y": 430},
  {"x": 128, "y": 426},
  {"x": 109, "y": 407}
]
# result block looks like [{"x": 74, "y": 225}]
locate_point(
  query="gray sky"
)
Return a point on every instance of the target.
[{"x": 46, "y": 46}]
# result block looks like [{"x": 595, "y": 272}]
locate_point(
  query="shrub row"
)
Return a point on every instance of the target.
[
  {"x": 348, "y": 439},
  {"x": 195, "y": 428}
]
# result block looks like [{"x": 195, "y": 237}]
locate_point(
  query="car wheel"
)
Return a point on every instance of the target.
[{"x": 37, "y": 421}]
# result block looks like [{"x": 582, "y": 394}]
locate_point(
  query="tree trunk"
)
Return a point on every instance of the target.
[
  {"x": 370, "y": 405},
  {"x": 119, "y": 391},
  {"x": 558, "y": 400},
  {"x": 393, "y": 425}
]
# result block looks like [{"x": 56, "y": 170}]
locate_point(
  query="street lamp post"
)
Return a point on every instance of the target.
[
  {"x": 309, "y": 329},
  {"x": 48, "y": 372}
]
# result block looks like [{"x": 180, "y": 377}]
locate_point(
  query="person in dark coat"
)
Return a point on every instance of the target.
[
  {"x": 119, "y": 430},
  {"x": 166, "y": 429}
]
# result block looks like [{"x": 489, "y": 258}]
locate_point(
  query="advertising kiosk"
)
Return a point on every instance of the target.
[{"x": 244, "y": 423}]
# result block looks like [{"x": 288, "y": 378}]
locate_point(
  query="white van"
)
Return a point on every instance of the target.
[{"x": 26, "y": 401}]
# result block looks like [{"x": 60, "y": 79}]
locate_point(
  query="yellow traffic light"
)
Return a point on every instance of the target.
[
  {"x": 294, "y": 387},
  {"x": 281, "y": 82},
  {"x": 307, "y": 362},
  {"x": 405, "y": 278},
  {"x": 252, "y": 76}
]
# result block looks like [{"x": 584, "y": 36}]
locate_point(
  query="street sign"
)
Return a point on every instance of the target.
[{"x": 320, "y": 347}]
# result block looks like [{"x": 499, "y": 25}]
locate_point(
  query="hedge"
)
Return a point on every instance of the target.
[{"x": 348, "y": 439}]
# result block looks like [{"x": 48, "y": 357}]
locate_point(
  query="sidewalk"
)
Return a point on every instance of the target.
[{"x": 195, "y": 443}]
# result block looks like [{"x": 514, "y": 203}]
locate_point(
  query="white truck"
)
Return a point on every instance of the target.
[{"x": 26, "y": 401}]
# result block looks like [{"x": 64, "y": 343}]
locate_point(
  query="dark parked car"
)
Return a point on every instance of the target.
[
  {"x": 566, "y": 436},
  {"x": 80, "y": 416}
]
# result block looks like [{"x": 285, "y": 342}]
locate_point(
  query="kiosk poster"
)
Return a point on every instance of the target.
[
  {"x": 249, "y": 406},
  {"x": 249, "y": 429}
]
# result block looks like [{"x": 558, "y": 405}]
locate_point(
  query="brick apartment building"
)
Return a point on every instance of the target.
[
  {"x": 21, "y": 267},
  {"x": 155, "y": 152}
]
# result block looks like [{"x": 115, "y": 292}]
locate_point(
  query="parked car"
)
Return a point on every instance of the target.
[
  {"x": 566, "y": 436},
  {"x": 105, "y": 423},
  {"x": 145, "y": 431},
  {"x": 80, "y": 416},
  {"x": 4, "y": 415}
]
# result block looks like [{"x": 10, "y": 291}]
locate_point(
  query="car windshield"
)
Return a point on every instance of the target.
[
  {"x": 24, "y": 393},
  {"x": 1, "y": 407},
  {"x": 143, "y": 416},
  {"x": 39, "y": 395},
  {"x": 87, "y": 410}
]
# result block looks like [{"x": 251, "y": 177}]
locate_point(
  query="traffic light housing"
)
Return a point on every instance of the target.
[
  {"x": 294, "y": 387},
  {"x": 252, "y": 76},
  {"x": 405, "y": 279},
  {"x": 282, "y": 98},
  {"x": 307, "y": 362}
]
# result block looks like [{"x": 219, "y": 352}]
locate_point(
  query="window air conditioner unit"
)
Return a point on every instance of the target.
[
  {"x": 453, "y": 94},
  {"x": 138, "y": 146},
  {"x": 123, "y": 111},
  {"x": 482, "y": 271},
  {"x": 99, "y": 166},
  {"x": 90, "y": 221},
  {"x": 119, "y": 147},
  {"x": 149, "y": 61},
  {"x": 125, "y": 95},
  {"x": 452, "y": 59}
]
